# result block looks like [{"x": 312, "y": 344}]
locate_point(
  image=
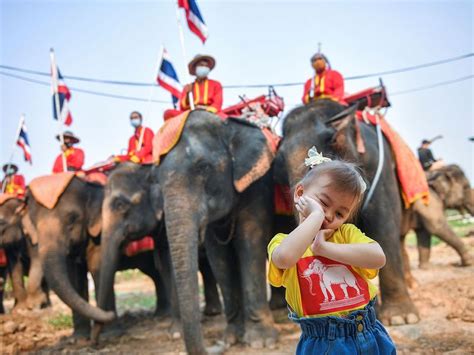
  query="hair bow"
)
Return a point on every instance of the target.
[{"x": 314, "y": 158}]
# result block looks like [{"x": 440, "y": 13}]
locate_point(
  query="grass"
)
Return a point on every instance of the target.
[
  {"x": 460, "y": 228},
  {"x": 128, "y": 275},
  {"x": 61, "y": 321},
  {"x": 128, "y": 301}
]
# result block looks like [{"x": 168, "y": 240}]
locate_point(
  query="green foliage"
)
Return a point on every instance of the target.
[
  {"x": 61, "y": 321},
  {"x": 132, "y": 301}
]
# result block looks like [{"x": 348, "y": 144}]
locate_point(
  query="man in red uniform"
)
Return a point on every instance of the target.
[
  {"x": 140, "y": 145},
  {"x": 206, "y": 93},
  {"x": 13, "y": 183},
  {"x": 74, "y": 156},
  {"x": 326, "y": 83}
]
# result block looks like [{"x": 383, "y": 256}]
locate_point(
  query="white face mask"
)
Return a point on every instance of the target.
[
  {"x": 202, "y": 71},
  {"x": 135, "y": 122}
]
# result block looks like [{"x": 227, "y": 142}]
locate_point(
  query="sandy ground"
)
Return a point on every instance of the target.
[{"x": 444, "y": 297}]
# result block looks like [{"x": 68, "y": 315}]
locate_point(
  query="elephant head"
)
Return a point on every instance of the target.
[
  {"x": 201, "y": 179},
  {"x": 62, "y": 232},
  {"x": 132, "y": 208},
  {"x": 10, "y": 222}
]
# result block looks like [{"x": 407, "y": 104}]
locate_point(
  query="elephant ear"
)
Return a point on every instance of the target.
[
  {"x": 250, "y": 151},
  {"x": 94, "y": 211},
  {"x": 346, "y": 134}
]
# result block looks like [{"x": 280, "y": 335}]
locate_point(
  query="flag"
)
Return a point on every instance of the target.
[
  {"x": 64, "y": 95},
  {"x": 193, "y": 16},
  {"x": 23, "y": 142},
  {"x": 168, "y": 79}
]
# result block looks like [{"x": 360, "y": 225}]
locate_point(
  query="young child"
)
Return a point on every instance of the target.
[{"x": 325, "y": 264}]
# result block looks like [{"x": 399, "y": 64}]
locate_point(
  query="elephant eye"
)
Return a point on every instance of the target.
[{"x": 120, "y": 204}]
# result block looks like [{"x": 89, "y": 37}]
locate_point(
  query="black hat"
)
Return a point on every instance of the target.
[
  {"x": 425, "y": 141},
  {"x": 11, "y": 166},
  {"x": 70, "y": 135}
]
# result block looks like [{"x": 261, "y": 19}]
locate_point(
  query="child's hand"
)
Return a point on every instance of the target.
[
  {"x": 307, "y": 205},
  {"x": 320, "y": 240}
]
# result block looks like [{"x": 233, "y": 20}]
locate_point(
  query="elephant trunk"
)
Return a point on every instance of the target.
[
  {"x": 56, "y": 271},
  {"x": 110, "y": 255},
  {"x": 182, "y": 227}
]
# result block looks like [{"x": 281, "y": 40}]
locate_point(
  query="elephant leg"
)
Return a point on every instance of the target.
[
  {"x": 77, "y": 273},
  {"x": 277, "y": 300},
  {"x": 410, "y": 280},
  {"x": 162, "y": 287},
  {"x": 423, "y": 238},
  {"x": 19, "y": 292},
  {"x": 213, "y": 305},
  {"x": 223, "y": 262},
  {"x": 250, "y": 245},
  {"x": 3, "y": 280}
]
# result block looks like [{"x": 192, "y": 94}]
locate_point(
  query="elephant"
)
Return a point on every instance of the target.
[
  {"x": 331, "y": 128},
  {"x": 68, "y": 237},
  {"x": 214, "y": 191},
  {"x": 133, "y": 208},
  {"x": 22, "y": 258}
]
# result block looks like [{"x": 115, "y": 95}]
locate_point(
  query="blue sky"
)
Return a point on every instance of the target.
[{"x": 253, "y": 42}]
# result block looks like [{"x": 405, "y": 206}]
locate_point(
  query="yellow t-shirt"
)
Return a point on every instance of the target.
[{"x": 320, "y": 287}]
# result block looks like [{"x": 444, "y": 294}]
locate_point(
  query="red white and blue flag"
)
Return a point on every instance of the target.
[
  {"x": 64, "y": 95},
  {"x": 168, "y": 79},
  {"x": 23, "y": 142},
  {"x": 195, "y": 21}
]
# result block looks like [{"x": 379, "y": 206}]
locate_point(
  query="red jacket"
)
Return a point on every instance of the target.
[
  {"x": 74, "y": 160},
  {"x": 15, "y": 184},
  {"x": 328, "y": 84},
  {"x": 145, "y": 153},
  {"x": 207, "y": 93}
]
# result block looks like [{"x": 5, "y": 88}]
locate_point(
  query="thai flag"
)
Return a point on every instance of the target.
[
  {"x": 195, "y": 21},
  {"x": 64, "y": 95},
  {"x": 23, "y": 143},
  {"x": 167, "y": 77}
]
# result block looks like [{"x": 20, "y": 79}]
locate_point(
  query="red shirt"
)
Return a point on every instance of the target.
[
  {"x": 206, "y": 93},
  {"x": 15, "y": 184},
  {"x": 328, "y": 84},
  {"x": 74, "y": 160},
  {"x": 145, "y": 153}
]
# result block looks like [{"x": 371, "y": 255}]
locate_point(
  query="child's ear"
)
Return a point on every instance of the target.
[{"x": 298, "y": 192}]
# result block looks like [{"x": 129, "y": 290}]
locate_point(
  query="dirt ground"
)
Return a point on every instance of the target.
[{"x": 444, "y": 297}]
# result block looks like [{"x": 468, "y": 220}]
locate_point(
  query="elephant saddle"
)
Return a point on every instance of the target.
[
  {"x": 5, "y": 197},
  {"x": 3, "y": 258},
  {"x": 168, "y": 135},
  {"x": 48, "y": 189},
  {"x": 411, "y": 177}
]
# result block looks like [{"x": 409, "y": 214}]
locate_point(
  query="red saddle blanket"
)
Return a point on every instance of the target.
[
  {"x": 411, "y": 177},
  {"x": 139, "y": 246},
  {"x": 282, "y": 200},
  {"x": 3, "y": 258},
  {"x": 168, "y": 135}
]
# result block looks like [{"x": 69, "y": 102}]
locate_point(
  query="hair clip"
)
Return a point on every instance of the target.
[{"x": 315, "y": 158}]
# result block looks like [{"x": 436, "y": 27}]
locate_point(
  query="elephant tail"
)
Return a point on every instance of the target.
[{"x": 308, "y": 278}]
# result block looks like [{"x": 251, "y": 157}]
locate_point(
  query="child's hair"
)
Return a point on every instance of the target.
[{"x": 344, "y": 177}]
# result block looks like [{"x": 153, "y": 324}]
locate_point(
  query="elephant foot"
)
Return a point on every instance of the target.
[
  {"x": 162, "y": 313},
  {"x": 259, "y": 335},
  {"x": 37, "y": 301},
  {"x": 217, "y": 349},
  {"x": 233, "y": 334},
  {"x": 399, "y": 313},
  {"x": 212, "y": 310},
  {"x": 175, "y": 330},
  {"x": 95, "y": 332},
  {"x": 426, "y": 265},
  {"x": 467, "y": 259},
  {"x": 20, "y": 306}
]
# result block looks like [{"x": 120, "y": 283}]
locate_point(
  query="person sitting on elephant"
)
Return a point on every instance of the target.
[
  {"x": 427, "y": 160},
  {"x": 325, "y": 251},
  {"x": 13, "y": 183},
  {"x": 326, "y": 82},
  {"x": 140, "y": 145},
  {"x": 206, "y": 93},
  {"x": 74, "y": 156}
]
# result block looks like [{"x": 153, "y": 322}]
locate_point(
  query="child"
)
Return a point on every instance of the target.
[{"x": 325, "y": 264}]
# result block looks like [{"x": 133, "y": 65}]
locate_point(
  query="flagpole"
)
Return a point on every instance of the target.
[
  {"x": 183, "y": 49},
  {"x": 9, "y": 164},
  {"x": 54, "y": 84},
  {"x": 150, "y": 95}
]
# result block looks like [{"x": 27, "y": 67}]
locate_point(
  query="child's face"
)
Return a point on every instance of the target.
[{"x": 337, "y": 205}]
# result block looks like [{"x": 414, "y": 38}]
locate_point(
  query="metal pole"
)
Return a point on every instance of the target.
[
  {"x": 181, "y": 38},
  {"x": 54, "y": 85},
  {"x": 22, "y": 119},
  {"x": 157, "y": 67}
]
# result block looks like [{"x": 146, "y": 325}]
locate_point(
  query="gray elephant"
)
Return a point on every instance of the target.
[
  {"x": 214, "y": 191},
  {"x": 68, "y": 237},
  {"x": 22, "y": 257},
  {"x": 133, "y": 208}
]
